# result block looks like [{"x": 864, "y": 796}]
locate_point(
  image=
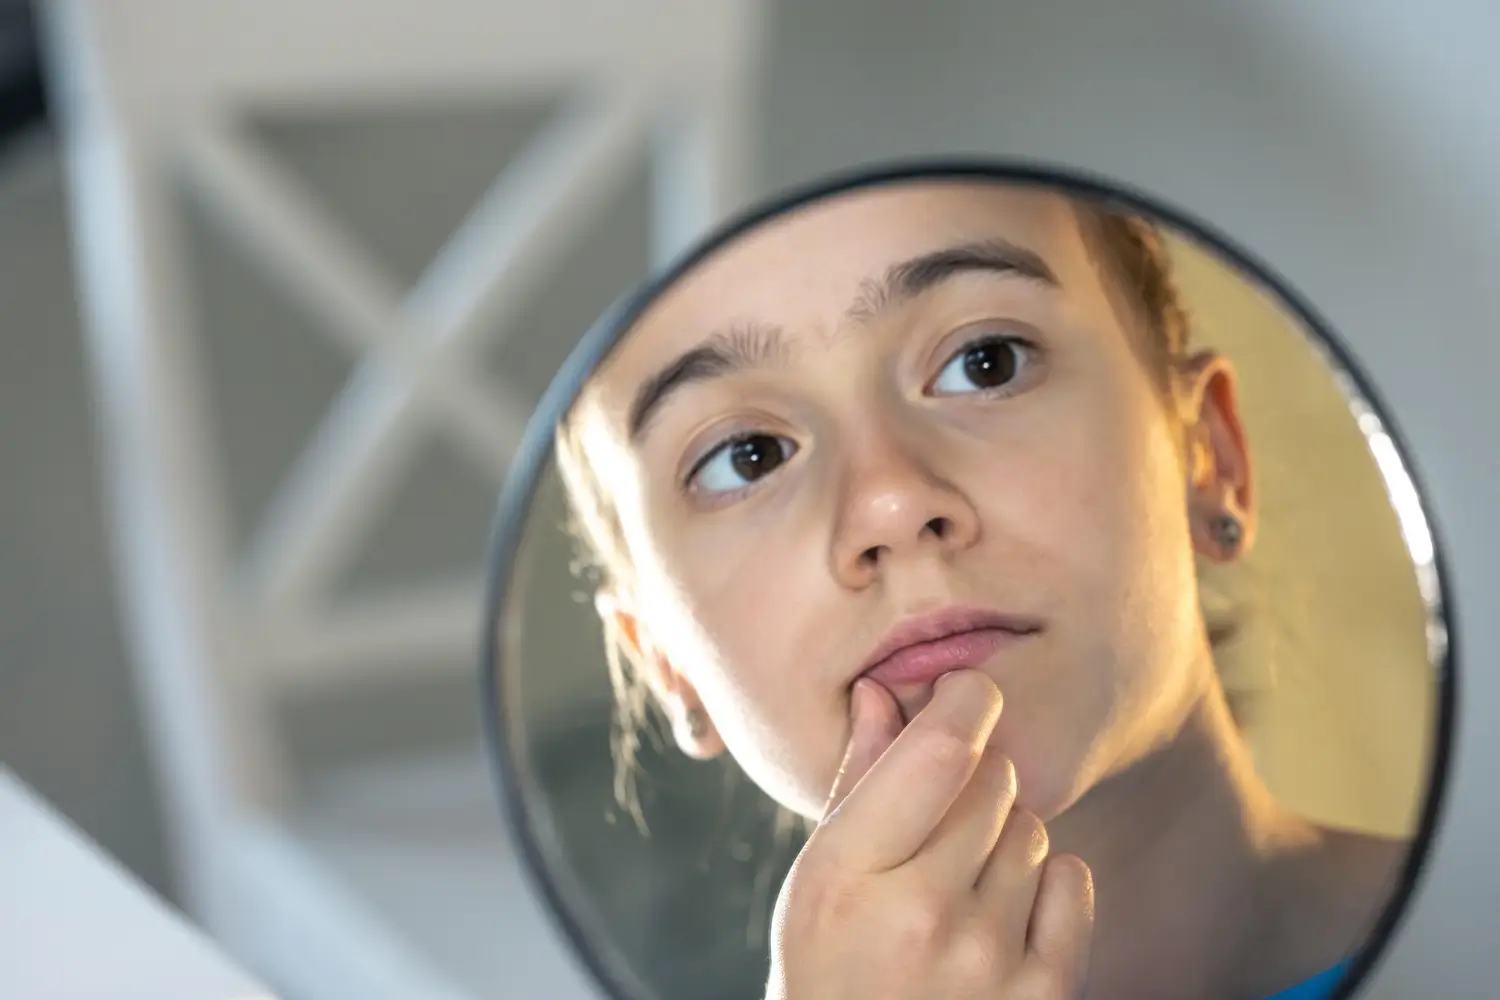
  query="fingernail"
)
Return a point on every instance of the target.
[{"x": 859, "y": 696}]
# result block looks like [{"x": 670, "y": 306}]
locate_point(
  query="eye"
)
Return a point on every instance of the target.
[
  {"x": 739, "y": 462},
  {"x": 989, "y": 364}
]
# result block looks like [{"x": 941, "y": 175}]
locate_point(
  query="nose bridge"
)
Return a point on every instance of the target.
[{"x": 885, "y": 455}]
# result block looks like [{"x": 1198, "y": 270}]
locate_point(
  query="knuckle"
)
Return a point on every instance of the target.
[
  {"x": 974, "y": 961},
  {"x": 1030, "y": 840},
  {"x": 1074, "y": 867},
  {"x": 1007, "y": 787},
  {"x": 919, "y": 922},
  {"x": 1023, "y": 846},
  {"x": 1042, "y": 982},
  {"x": 816, "y": 896},
  {"x": 945, "y": 748},
  {"x": 1079, "y": 880},
  {"x": 822, "y": 897}
]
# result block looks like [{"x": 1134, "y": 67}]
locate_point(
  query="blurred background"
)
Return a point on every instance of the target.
[{"x": 241, "y": 524}]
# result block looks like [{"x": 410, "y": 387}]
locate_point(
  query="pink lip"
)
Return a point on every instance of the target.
[{"x": 919, "y": 650}]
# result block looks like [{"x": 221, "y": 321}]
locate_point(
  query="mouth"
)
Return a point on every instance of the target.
[{"x": 920, "y": 650}]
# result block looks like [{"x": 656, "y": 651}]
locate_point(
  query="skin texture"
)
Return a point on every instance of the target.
[{"x": 1076, "y": 494}]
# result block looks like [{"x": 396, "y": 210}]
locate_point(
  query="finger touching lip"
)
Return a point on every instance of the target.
[{"x": 922, "y": 663}]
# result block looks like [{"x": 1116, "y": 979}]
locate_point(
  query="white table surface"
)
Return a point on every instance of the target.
[{"x": 76, "y": 925}]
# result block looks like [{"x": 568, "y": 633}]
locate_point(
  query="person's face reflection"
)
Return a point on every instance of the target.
[{"x": 914, "y": 398}]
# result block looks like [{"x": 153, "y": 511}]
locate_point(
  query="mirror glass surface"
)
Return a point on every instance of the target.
[{"x": 1046, "y": 400}]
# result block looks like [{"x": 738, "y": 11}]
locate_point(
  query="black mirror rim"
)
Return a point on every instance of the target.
[{"x": 534, "y": 454}]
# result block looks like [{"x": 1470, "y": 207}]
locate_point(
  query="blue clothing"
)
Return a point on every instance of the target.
[{"x": 1319, "y": 987}]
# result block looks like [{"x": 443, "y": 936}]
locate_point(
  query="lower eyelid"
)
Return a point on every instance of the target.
[
  {"x": 715, "y": 449},
  {"x": 1033, "y": 353},
  {"x": 690, "y": 486}
]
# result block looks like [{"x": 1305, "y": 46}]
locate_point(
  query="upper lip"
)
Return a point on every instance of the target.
[{"x": 942, "y": 624}]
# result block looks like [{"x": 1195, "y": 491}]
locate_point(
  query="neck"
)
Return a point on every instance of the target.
[{"x": 1179, "y": 844}]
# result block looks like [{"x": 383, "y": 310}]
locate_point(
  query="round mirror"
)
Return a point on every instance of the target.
[{"x": 965, "y": 576}]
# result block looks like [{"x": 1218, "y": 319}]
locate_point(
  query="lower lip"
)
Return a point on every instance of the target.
[{"x": 927, "y": 661}]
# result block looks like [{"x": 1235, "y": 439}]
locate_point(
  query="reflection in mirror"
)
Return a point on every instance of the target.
[{"x": 1114, "y": 485}]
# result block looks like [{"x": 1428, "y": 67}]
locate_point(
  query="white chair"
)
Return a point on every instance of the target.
[
  {"x": 152, "y": 96},
  {"x": 74, "y": 925}
]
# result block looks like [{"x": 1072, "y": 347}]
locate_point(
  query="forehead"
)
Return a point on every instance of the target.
[{"x": 802, "y": 270}]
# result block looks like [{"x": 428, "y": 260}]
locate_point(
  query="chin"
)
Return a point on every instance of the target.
[
  {"x": 1045, "y": 800},
  {"x": 1047, "y": 783},
  {"x": 788, "y": 787}
]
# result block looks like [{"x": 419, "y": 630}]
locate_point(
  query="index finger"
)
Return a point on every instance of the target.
[
  {"x": 895, "y": 806},
  {"x": 874, "y": 723}
]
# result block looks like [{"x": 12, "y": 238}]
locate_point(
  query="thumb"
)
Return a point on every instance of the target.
[{"x": 874, "y": 723}]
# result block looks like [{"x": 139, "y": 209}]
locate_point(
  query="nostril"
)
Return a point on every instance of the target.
[{"x": 940, "y": 528}]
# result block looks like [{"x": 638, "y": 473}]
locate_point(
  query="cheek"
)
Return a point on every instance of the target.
[
  {"x": 1131, "y": 547},
  {"x": 741, "y": 615},
  {"x": 739, "y": 588},
  {"x": 1089, "y": 493}
]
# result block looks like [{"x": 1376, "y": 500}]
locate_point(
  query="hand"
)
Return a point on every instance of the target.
[{"x": 923, "y": 882}]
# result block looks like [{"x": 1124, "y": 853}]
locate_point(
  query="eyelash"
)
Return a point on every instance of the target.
[
  {"x": 1024, "y": 345},
  {"x": 721, "y": 447},
  {"x": 1028, "y": 348},
  {"x": 714, "y": 450}
]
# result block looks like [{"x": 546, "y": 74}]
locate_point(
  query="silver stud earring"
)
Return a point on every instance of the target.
[
  {"x": 697, "y": 723},
  {"x": 1228, "y": 532}
]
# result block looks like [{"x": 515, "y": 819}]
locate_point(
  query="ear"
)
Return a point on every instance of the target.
[
  {"x": 1220, "y": 481},
  {"x": 691, "y": 726}
]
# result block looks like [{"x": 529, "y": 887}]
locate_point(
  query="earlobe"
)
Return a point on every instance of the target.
[
  {"x": 695, "y": 732},
  {"x": 674, "y": 693},
  {"x": 1221, "y": 495}
]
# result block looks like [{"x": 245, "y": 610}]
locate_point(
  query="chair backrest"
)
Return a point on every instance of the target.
[
  {"x": 171, "y": 58},
  {"x": 152, "y": 96}
]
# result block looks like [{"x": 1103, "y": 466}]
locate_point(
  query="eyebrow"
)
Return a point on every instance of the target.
[
  {"x": 748, "y": 346},
  {"x": 909, "y": 279}
]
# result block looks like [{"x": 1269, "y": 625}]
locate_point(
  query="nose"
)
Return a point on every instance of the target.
[{"x": 895, "y": 507}]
